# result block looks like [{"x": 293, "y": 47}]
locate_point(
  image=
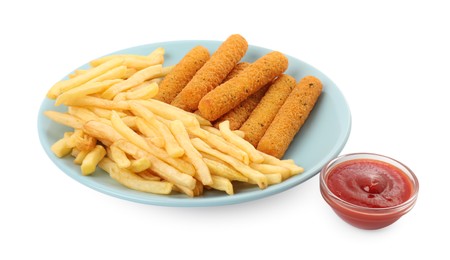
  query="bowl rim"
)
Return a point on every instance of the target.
[{"x": 329, "y": 195}]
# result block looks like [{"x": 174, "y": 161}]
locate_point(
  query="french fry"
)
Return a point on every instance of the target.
[
  {"x": 221, "y": 169},
  {"x": 290, "y": 161},
  {"x": 253, "y": 154},
  {"x": 91, "y": 101},
  {"x": 60, "y": 147},
  {"x": 192, "y": 154},
  {"x": 104, "y": 113},
  {"x": 223, "y": 184},
  {"x": 129, "y": 73},
  {"x": 202, "y": 121},
  {"x": 139, "y": 165},
  {"x": 127, "y": 132},
  {"x": 146, "y": 90},
  {"x": 166, "y": 70},
  {"x": 130, "y": 121},
  {"x": 134, "y": 61},
  {"x": 68, "y": 84},
  {"x": 170, "y": 112},
  {"x": 77, "y": 72},
  {"x": 212, "y": 130},
  {"x": 172, "y": 147},
  {"x": 148, "y": 175},
  {"x": 133, "y": 181},
  {"x": 272, "y": 178},
  {"x": 187, "y": 191},
  {"x": 116, "y": 73},
  {"x": 148, "y": 131},
  {"x": 163, "y": 169},
  {"x": 221, "y": 144},
  {"x": 91, "y": 160},
  {"x": 252, "y": 174},
  {"x": 198, "y": 190},
  {"x": 83, "y": 113},
  {"x": 269, "y": 169},
  {"x": 64, "y": 119},
  {"x": 139, "y": 63},
  {"x": 239, "y": 133},
  {"x": 119, "y": 157},
  {"x": 136, "y": 79},
  {"x": 178, "y": 163},
  {"x": 101, "y": 131},
  {"x": 157, "y": 54},
  {"x": 81, "y": 141},
  {"x": 80, "y": 156},
  {"x": 269, "y": 159},
  {"x": 84, "y": 90}
]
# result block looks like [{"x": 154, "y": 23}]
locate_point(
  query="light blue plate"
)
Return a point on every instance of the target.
[{"x": 321, "y": 138}]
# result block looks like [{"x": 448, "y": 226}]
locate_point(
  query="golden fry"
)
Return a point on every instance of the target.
[
  {"x": 119, "y": 157},
  {"x": 170, "y": 144},
  {"x": 136, "y": 79},
  {"x": 139, "y": 165},
  {"x": 163, "y": 169},
  {"x": 66, "y": 85},
  {"x": 221, "y": 169},
  {"x": 64, "y": 119},
  {"x": 253, "y": 154},
  {"x": 170, "y": 112},
  {"x": 91, "y": 101},
  {"x": 192, "y": 154},
  {"x": 133, "y": 181},
  {"x": 60, "y": 147},
  {"x": 269, "y": 159},
  {"x": 223, "y": 184},
  {"x": 150, "y": 132},
  {"x": 92, "y": 159},
  {"x": 84, "y": 90},
  {"x": 248, "y": 172}
]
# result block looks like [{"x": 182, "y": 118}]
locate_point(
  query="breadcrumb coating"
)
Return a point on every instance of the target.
[
  {"x": 213, "y": 72},
  {"x": 264, "y": 113},
  {"x": 231, "y": 93},
  {"x": 182, "y": 73},
  {"x": 291, "y": 117}
]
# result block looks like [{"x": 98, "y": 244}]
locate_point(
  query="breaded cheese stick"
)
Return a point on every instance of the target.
[
  {"x": 212, "y": 73},
  {"x": 236, "y": 70},
  {"x": 182, "y": 73},
  {"x": 239, "y": 114},
  {"x": 291, "y": 117},
  {"x": 261, "y": 117},
  {"x": 231, "y": 93}
]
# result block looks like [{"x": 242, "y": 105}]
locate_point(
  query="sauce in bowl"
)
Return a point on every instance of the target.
[
  {"x": 369, "y": 191},
  {"x": 369, "y": 183}
]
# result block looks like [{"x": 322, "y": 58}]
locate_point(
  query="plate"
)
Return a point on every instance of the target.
[{"x": 321, "y": 138}]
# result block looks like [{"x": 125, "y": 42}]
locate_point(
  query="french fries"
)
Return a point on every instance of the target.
[
  {"x": 148, "y": 145},
  {"x": 192, "y": 154},
  {"x": 92, "y": 73}
]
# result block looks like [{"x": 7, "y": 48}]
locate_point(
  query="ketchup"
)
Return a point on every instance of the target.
[{"x": 370, "y": 183}]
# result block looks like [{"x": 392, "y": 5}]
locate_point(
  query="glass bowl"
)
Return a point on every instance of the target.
[{"x": 363, "y": 215}]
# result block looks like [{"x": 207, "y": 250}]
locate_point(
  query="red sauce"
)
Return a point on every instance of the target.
[{"x": 369, "y": 183}]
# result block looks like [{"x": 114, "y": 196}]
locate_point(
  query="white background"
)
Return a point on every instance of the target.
[{"x": 389, "y": 58}]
